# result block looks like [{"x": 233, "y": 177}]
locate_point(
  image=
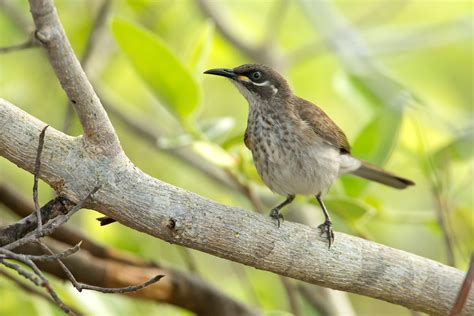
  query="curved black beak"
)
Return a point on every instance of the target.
[{"x": 225, "y": 72}]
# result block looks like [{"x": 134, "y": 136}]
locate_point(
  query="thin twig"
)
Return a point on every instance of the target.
[
  {"x": 442, "y": 212},
  {"x": 31, "y": 43},
  {"x": 82, "y": 286},
  {"x": 66, "y": 270},
  {"x": 121, "y": 290},
  {"x": 21, "y": 206},
  {"x": 51, "y": 226},
  {"x": 43, "y": 281},
  {"x": 27, "y": 275},
  {"x": 434, "y": 177},
  {"x": 31, "y": 290},
  {"x": 28, "y": 224},
  {"x": 464, "y": 291},
  {"x": 36, "y": 176},
  {"x": 51, "y": 257}
]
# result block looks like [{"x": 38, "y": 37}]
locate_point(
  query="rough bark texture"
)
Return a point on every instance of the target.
[
  {"x": 172, "y": 214},
  {"x": 94, "y": 120},
  {"x": 73, "y": 166}
]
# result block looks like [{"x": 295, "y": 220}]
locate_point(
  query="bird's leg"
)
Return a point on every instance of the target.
[
  {"x": 326, "y": 227},
  {"x": 275, "y": 212}
]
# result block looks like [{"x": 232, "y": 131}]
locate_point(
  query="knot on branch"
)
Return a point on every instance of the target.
[
  {"x": 171, "y": 224},
  {"x": 44, "y": 35}
]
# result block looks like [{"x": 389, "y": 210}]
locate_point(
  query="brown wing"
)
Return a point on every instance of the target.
[{"x": 321, "y": 124}]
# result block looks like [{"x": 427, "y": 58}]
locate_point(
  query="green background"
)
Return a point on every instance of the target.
[{"x": 148, "y": 63}]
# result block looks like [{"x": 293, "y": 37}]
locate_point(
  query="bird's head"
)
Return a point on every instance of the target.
[{"x": 257, "y": 83}]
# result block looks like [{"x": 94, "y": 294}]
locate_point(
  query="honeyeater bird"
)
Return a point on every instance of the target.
[{"x": 296, "y": 147}]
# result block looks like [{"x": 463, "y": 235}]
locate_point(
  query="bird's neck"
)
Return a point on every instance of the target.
[{"x": 270, "y": 112}]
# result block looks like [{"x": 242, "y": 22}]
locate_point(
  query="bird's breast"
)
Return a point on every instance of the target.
[{"x": 286, "y": 161}]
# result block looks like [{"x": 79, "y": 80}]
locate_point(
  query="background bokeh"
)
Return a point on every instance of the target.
[{"x": 396, "y": 76}]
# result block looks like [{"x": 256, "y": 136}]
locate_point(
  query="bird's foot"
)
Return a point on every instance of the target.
[
  {"x": 326, "y": 229},
  {"x": 275, "y": 214}
]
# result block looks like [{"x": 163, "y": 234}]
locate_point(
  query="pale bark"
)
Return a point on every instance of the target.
[
  {"x": 172, "y": 214},
  {"x": 73, "y": 166}
]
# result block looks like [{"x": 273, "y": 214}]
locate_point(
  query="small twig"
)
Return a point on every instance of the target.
[
  {"x": 82, "y": 286},
  {"x": 22, "y": 207},
  {"x": 52, "y": 257},
  {"x": 11, "y": 233},
  {"x": 43, "y": 281},
  {"x": 35, "y": 177},
  {"x": 464, "y": 291},
  {"x": 66, "y": 270},
  {"x": 51, "y": 226},
  {"x": 32, "y": 290},
  {"x": 127, "y": 289},
  {"x": 27, "y": 275},
  {"x": 31, "y": 43}
]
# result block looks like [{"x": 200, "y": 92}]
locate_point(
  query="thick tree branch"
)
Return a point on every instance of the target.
[
  {"x": 106, "y": 267},
  {"x": 161, "y": 210},
  {"x": 97, "y": 127}
]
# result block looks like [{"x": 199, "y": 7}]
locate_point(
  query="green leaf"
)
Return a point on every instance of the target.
[
  {"x": 374, "y": 145},
  {"x": 161, "y": 69},
  {"x": 461, "y": 148},
  {"x": 200, "y": 49},
  {"x": 349, "y": 209}
]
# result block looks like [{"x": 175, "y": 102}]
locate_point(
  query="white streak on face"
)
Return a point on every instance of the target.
[{"x": 266, "y": 83}]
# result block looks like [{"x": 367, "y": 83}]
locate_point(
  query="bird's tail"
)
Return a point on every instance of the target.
[{"x": 374, "y": 173}]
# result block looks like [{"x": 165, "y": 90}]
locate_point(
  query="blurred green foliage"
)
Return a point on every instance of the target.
[{"x": 149, "y": 64}]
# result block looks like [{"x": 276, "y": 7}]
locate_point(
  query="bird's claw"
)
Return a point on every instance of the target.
[
  {"x": 326, "y": 229},
  {"x": 275, "y": 214}
]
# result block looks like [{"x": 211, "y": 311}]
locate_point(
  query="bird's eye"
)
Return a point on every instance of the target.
[{"x": 256, "y": 75}]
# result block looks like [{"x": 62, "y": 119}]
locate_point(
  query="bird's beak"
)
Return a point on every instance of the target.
[{"x": 229, "y": 73}]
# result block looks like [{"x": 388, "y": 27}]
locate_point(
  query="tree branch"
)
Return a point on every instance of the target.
[
  {"x": 97, "y": 127},
  {"x": 101, "y": 266},
  {"x": 161, "y": 210},
  {"x": 177, "y": 216},
  {"x": 30, "y": 43}
]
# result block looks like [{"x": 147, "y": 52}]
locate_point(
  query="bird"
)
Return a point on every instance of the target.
[{"x": 296, "y": 147}]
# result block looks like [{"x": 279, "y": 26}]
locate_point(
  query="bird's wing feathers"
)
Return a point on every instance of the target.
[{"x": 321, "y": 124}]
